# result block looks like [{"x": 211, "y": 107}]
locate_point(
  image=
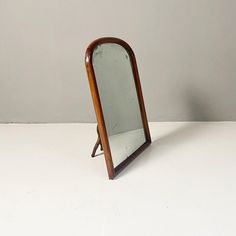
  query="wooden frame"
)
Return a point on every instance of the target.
[{"x": 113, "y": 171}]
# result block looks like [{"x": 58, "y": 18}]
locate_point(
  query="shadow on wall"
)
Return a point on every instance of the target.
[
  {"x": 198, "y": 111},
  {"x": 197, "y": 106}
]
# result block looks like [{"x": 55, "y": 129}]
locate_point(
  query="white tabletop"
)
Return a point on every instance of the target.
[{"x": 183, "y": 184}]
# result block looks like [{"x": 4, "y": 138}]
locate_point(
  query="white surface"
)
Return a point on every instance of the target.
[{"x": 184, "y": 184}]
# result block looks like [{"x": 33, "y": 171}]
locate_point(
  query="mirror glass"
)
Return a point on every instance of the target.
[{"x": 119, "y": 100}]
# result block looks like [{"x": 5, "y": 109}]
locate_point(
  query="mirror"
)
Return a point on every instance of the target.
[{"x": 118, "y": 102}]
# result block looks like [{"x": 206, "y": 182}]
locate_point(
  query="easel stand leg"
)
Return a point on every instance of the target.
[{"x": 97, "y": 144}]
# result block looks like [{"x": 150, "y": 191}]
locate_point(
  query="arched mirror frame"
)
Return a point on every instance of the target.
[{"x": 113, "y": 171}]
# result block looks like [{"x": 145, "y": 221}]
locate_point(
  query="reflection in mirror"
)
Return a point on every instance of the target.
[{"x": 119, "y": 100}]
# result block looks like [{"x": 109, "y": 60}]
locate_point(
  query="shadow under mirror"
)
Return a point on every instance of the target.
[{"x": 166, "y": 137}]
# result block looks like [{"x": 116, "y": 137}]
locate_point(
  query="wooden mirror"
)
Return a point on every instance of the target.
[{"x": 118, "y": 101}]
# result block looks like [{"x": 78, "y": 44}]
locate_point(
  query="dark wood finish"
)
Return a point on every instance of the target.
[
  {"x": 98, "y": 142},
  {"x": 130, "y": 158},
  {"x": 112, "y": 172}
]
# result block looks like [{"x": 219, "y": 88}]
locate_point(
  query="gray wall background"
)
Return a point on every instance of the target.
[{"x": 186, "y": 53}]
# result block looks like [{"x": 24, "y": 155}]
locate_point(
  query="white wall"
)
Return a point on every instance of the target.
[{"x": 186, "y": 54}]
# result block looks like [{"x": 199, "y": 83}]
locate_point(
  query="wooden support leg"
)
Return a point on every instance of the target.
[{"x": 97, "y": 145}]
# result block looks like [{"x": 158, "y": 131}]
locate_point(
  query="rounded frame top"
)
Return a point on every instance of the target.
[{"x": 92, "y": 46}]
